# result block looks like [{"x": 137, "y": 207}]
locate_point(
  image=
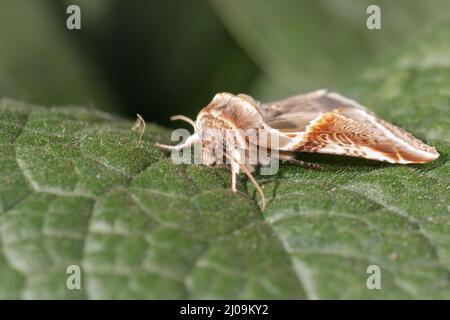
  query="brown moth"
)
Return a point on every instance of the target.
[{"x": 319, "y": 121}]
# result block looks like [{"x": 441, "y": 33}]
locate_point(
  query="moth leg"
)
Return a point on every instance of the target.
[
  {"x": 189, "y": 142},
  {"x": 236, "y": 159},
  {"x": 291, "y": 159},
  {"x": 235, "y": 154},
  {"x": 139, "y": 121}
]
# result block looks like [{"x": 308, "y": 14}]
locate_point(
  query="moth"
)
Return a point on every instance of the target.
[{"x": 319, "y": 122}]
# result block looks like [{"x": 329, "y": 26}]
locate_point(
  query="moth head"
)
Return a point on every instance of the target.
[
  {"x": 212, "y": 146},
  {"x": 208, "y": 153}
]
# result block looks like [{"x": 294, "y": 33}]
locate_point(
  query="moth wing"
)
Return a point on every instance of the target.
[
  {"x": 294, "y": 114},
  {"x": 329, "y": 123},
  {"x": 317, "y": 101}
]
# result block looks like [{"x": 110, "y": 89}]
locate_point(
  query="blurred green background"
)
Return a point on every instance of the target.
[{"x": 160, "y": 58}]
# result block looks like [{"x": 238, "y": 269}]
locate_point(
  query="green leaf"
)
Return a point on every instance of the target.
[{"x": 76, "y": 189}]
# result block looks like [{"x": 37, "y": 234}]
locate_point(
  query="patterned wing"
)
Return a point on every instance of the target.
[{"x": 329, "y": 123}]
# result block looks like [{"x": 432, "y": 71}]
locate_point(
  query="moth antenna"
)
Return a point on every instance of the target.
[
  {"x": 251, "y": 178},
  {"x": 137, "y": 125},
  {"x": 185, "y": 119}
]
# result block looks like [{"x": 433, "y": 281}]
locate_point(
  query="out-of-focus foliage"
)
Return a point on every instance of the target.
[
  {"x": 40, "y": 62},
  {"x": 156, "y": 58},
  {"x": 305, "y": 45},
  {"x": 160, "y": 58}
]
